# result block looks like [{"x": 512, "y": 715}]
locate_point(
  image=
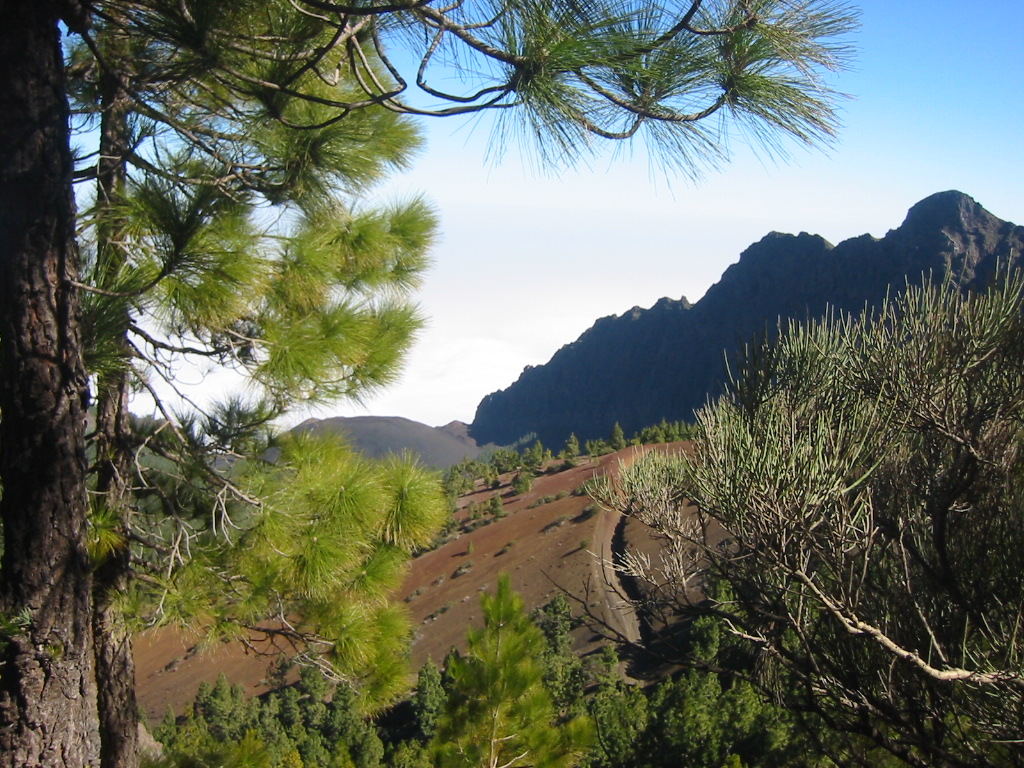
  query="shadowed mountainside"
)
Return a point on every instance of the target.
[{"x": 666, "y": 361}]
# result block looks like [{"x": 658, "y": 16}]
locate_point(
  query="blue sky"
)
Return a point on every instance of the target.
[{"x": 527, "y": 262}]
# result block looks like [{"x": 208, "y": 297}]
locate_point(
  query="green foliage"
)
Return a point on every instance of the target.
[
  {"x": 707, "y": 716},
  {"x": 658, "y": 433},
  {"x": 461, "y": 478},
  {"x": 498, "y": 711},
  {"x": 572, "y": 448},
  {"x": 548, "y": 499},
  {"x": 229, "y": 230},
  {"x": 428, "y": 701},
  {"x": 13, "y": 625},
  {"x": 698, "y": 721},
  {"x": 412, "y": 512},
  {"x": 329, "y": 544},
  {"x": 564, "y": 675},
  {"x": 619, "y": 713},
  {"x": 535, "y": 456},
  {"x": 653, "y": 434},
  {"x": 226, "y": 229},
  {"x": 410, "y": 754},
  {"x": 505, "y": 460},
  {"x": 868, "y": 473},
  {"x": 699, "y": 718},
  {"x": 313, "y": 724},
  {"x": 249, "y": 752},
  {"x": 617, "y": 441},
  {"x": 224, "y": 708},
  {"x": 522, "y": 483},
  {"x": 495, "y": 507}
]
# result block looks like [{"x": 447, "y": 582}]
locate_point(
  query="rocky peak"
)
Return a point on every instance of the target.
[
  {"x": 956, "y": 228},
  {"x": 945, "y": 210}
]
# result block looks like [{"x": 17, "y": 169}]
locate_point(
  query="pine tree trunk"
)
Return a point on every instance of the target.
[
  {"x": 48, "y": 714},
  {"x": 115, "y": 672},
  {"x": 115, "y": 664}
]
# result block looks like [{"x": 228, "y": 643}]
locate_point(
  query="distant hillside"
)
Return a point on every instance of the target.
[
  {"x": 666, "y": 361},
  {"x": 378, "y": 436}
]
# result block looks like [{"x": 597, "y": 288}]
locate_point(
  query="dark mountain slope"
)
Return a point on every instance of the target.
[{"x": 646, "y": 365}]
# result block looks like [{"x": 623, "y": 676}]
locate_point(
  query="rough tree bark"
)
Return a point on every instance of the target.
[
  {"x": 48, "y": 714},
  {"x": 115, "y": 664}
]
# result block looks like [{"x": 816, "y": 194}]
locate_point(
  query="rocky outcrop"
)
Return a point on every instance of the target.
[{"x": 664, "y": 362}]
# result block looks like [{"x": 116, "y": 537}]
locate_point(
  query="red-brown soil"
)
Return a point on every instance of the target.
[{"x": 545, "y": 549}]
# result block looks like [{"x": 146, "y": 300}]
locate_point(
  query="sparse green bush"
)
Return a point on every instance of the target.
[
  {"x": 522, "y": 483},
  {"x": 495, "y": 507}
]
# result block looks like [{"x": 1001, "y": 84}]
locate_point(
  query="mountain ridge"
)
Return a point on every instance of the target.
[{"x": 664, "y": 362}]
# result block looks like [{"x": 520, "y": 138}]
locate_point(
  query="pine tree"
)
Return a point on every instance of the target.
[
  {"x": 572, "y": 448},
  {"x": 618, "y": 438},
  {"x": 224, "y": 709},
  {"x": 619, "y": 713},
  {"x": 311, "y": 723},
  {"x": 522, "y": 483},
  {"x": 348, "y": 734},
  {"x": 177, "y": 270},
  {"x": 329, "y": 546},
  {"x": 505, "y": 460},
  {"x": 535, "y": 456},
  {"x": 495, "y": 507},
  {"x": 428, "y": 700},
  {"x": 564, "y": 675},
  {"x": 499, "y": 712},
  {"x": 46, "y": 644}
]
